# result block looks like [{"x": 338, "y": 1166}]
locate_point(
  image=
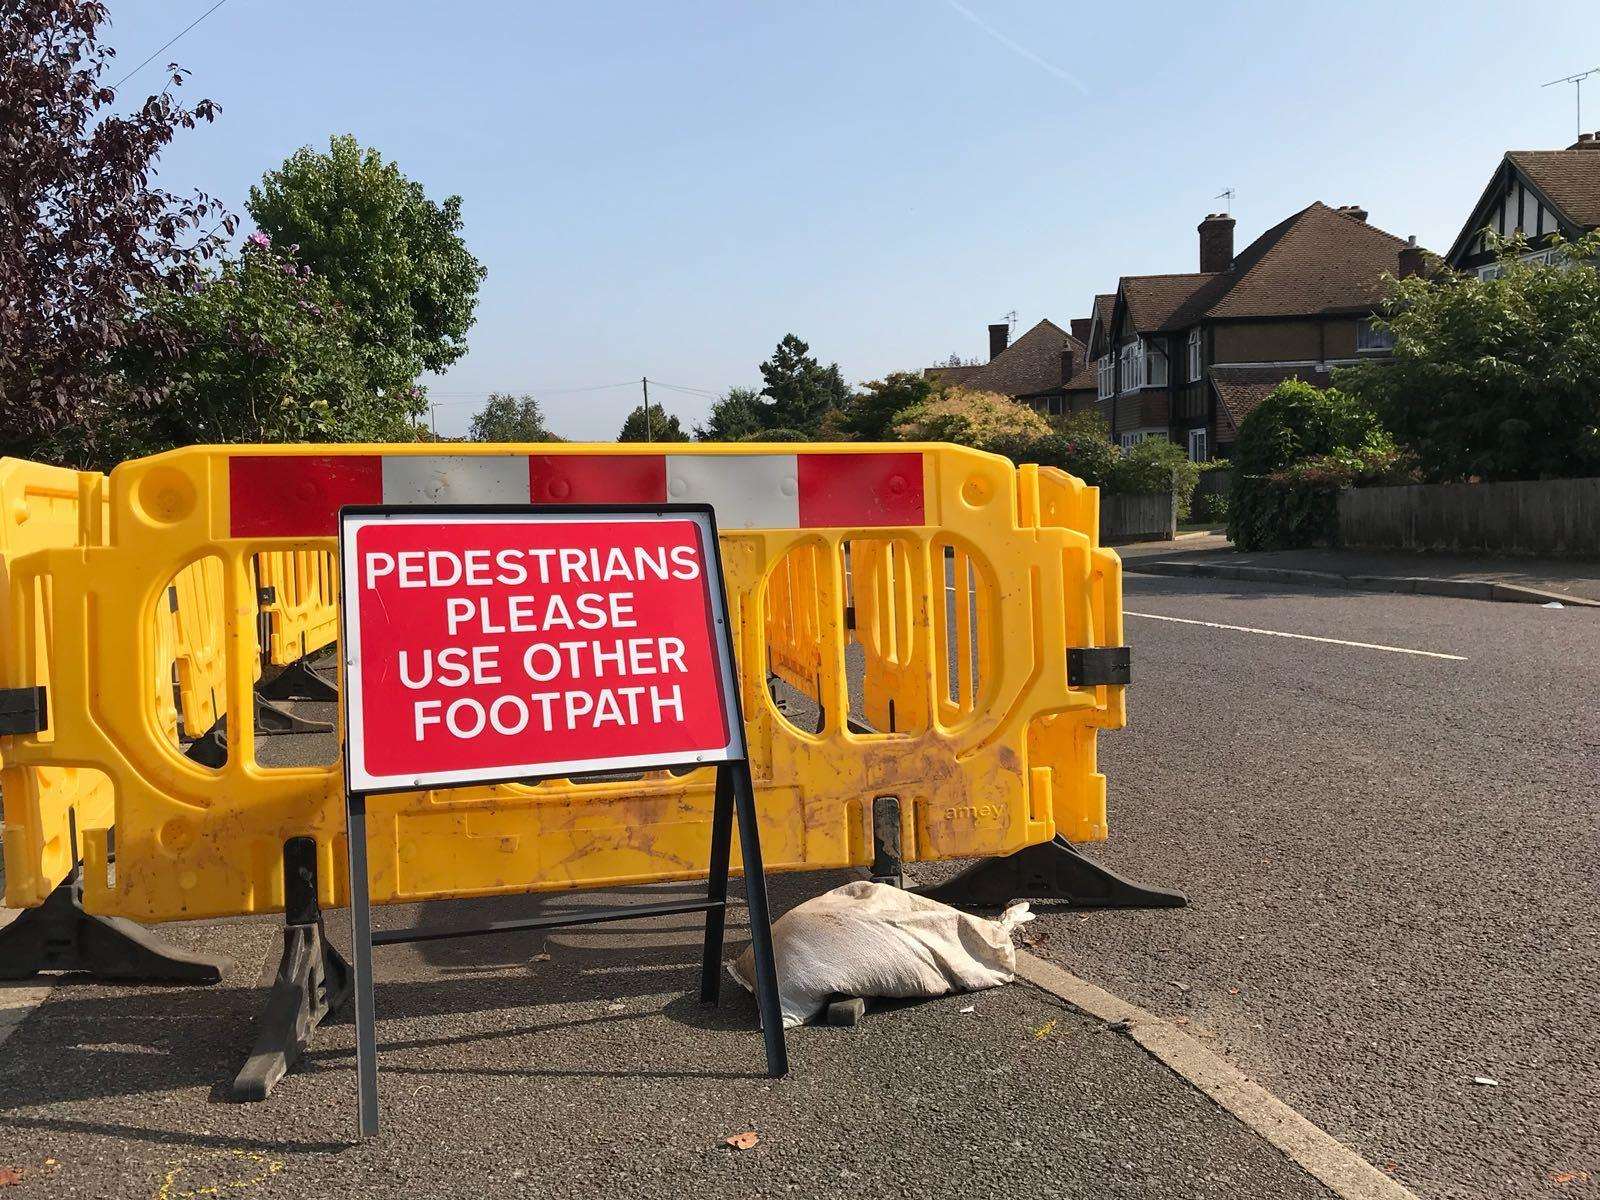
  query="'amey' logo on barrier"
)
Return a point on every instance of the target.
[{"x": 975, "y": 812}]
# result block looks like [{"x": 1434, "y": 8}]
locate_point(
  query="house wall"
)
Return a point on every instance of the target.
[
  {"x": 1140, "y": 410},
  {"x": 1285, "y": 341}
]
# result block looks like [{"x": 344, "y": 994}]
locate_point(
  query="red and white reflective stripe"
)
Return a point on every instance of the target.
[{"x": 273, "y": 495}]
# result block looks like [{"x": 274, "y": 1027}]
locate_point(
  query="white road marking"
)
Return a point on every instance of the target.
[{"x": 1303, "y": 637}]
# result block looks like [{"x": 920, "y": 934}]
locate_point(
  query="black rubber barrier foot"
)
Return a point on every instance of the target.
[
  {"x": 1052, "y": 870},
  {"x": 298, "y": 681},
  {"x": 60, "y": 936},
  {"x": 313, "y": 980},
  {"x": 272, "y": 719}
]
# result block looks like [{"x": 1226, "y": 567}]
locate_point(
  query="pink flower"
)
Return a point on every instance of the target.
[{"x": 259, "y": 240}]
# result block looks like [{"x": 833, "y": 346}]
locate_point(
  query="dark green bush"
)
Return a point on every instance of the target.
[
  {"x": 1155, "y": 465},
  {"x": 1294, "y": 454}
]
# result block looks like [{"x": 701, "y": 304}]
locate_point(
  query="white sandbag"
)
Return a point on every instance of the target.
[{"x": 870, "y": 939}]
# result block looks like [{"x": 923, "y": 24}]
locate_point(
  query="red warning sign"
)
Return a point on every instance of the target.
[{"x": 492, "y": 645}]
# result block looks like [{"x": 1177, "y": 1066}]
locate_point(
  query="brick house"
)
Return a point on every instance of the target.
[
  {"x": 1187, "y": 356},
  {"x": 1539, "y": 193},
  {"x": 1042, "y": 368}
]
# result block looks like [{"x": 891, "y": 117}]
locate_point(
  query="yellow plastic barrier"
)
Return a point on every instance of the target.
[
  {"x": 297, "y": 590},
  {"x": 42, "y": 507},
  {"x": 794, "y": 623},
  {"x": 999, "y": 759}
]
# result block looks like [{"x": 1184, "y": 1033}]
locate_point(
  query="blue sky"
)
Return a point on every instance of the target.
[{"x": 666, "y": 189}]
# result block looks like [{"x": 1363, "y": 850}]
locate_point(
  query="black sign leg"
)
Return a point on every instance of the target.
[
  {"x": 717, "y": 889},
  {"x": 755, "y": 889},
  {"x": 361, "y": 961}
]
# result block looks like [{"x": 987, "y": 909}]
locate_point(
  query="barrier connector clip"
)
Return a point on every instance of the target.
[{"x": 24, "y": 710}]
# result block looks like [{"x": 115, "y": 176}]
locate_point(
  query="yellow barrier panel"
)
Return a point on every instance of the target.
[
  {"x": 297, "y": 598},
  {"x": 42, "y": 507},
  {"x": 794, "y": 637},
  {"x": 997, "y": 754}
]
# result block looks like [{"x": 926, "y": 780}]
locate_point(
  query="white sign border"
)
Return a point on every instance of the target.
[{"x": 358, "y": 780}]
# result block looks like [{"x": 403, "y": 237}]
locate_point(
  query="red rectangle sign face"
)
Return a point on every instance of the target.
[{"x": 504, "y": 646}]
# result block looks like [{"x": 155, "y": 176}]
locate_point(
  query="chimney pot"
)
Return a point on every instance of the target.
[
  {"x": 1586, "y": 141},
  {"x": 1216, "y": 243},
  {"x": 1413, "y": 259},
  {"x": 999, "y": 339}
]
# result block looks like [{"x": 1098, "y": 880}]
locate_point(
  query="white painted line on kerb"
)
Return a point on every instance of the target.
[
  {"x": 1302, "y": 637},
  {"x": 18, "y": 1000}
]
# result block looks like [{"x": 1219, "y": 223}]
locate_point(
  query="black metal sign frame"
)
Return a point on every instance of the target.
[{"x": 735, "y": 797}]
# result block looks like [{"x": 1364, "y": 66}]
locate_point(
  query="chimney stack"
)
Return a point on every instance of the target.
[
  {"x": 1066, "y": 363},
  {"x": 1216, "y": 243},
  {"x": 1081, "y": 327},
  {"x": 999, "y": 339},
  {"x": 1413, "y": 259},
  {"x": 1353, "y": 210},
  {"x": 1586, "y": 141}
]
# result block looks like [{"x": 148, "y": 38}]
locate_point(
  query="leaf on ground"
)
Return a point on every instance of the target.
[
  {"x": 1563, "y": 1178},
  {"x": 743, "y": 1141},
  {"x": 1044, "y": 1031},
  {"x": 10, "y": 1176}
]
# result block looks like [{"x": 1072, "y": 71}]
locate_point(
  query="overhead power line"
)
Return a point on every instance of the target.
[{"x": 170, "y": 43}]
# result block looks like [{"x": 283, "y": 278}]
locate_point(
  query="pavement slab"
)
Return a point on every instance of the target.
[
  {"x": 1524, "y": 579},
  {"x": 596, "y": 1073}
]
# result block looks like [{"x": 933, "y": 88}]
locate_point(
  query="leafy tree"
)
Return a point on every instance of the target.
[
  {"x": 870, "y": 413},
  {"x": 982, "y": 420},
  {"x": 82, "y": 230},
  {"x": 1079, "y": 444},
  {"x": 661, "y": 427},
  {"x": 1495, "y": 378},
  {"x": 261, "y": 352},
  {"x": 508, "y": 418},
  {"x": 395, "y": 258},
  {"x": 734, "y": 418},
  {"x": 799, "y": 390},
  {"x": 1294, "y": 452}
]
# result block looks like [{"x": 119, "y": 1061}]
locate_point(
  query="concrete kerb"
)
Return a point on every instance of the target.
[
  {"x": 1461, "y": 589},
  {"x": 1335, "y": 1165}
]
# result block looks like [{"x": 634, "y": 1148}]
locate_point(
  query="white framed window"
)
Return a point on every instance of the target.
[
  {"x": 1130, "y": 440},
  {"x": 1198, "y": 451},
  {"x": 1194, "y": 355},
  {"x": 1131, "y": 367},
  {"x": 1106, "y": 376},
  {"x": 1370, "y": 338},
  {"x": 1155, "y": 364}
]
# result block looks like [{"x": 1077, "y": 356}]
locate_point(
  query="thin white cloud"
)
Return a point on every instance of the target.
[{"x": 1016, "y": 47}]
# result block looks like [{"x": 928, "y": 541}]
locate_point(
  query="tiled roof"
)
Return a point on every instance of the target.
[
  {"x": 1570, "y": 178},
  {"x": 1319, "y": 260},
  {"x": 1153, "y": 300},
  {"x": 1240, "y": 389},
  {"x": 1029, "y": 366},
  {"x": 960, "y": 375}
]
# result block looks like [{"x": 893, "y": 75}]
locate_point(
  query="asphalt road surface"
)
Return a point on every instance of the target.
[{"x": 1391, "y": 861}]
